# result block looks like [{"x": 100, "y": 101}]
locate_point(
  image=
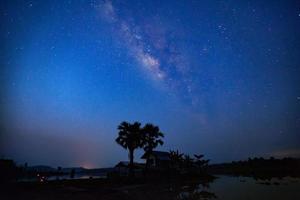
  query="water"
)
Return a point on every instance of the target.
[
  {"x": 63, "y": 177},
  {"x": 231, "y": 188},
  {"x": 78, "y": 176},
  {"x": 224, "y": 188}
]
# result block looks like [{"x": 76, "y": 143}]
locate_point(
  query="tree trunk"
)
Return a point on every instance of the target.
[
  {"x": 147, "y": 162},
  {"x": 146, "y": 167},
  {"x": 131, "y": 165}
]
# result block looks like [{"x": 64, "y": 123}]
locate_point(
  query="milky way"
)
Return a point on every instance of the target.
[{"x": 154, "y": 49}]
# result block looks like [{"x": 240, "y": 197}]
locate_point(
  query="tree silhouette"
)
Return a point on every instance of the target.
[
  {"x": 198, "y": 157},
  {"x": 200, "y": 162},
  {"x": 188, "y": 161},
  {"x": 151, "y": 139},
  {"x": 130, "y": 137},
  {"x": 176, "y": 158}
]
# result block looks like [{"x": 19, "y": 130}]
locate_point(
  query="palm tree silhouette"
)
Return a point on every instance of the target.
[
  {"x": 151, "y": 139},
  {"x": 200, "y": 162},
  {"x": 130, "y": 137}
]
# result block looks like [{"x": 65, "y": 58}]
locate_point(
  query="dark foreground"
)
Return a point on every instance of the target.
[
  {"x": 224, "y": 187},
  {"x": 95, "y": 189}
]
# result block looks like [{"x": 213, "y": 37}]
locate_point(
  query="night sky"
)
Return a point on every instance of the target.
[{"x": 221, "y": 78}]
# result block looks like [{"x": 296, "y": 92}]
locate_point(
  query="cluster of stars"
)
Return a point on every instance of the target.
[{"x": 148, "y": 45}]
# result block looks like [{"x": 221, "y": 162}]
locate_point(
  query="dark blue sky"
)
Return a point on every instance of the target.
[{"x": 220, "y": 78}]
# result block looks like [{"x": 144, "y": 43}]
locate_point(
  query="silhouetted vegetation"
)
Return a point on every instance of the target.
[
  {"x": 151, "y": 139},
  {"x": 170, "y": 175},
  {"x": 185, "y": 164},
  {"x": 189, "y": 180},
  {"x": 133, "y": 136},
  {"x": 130, "y": 137},
  {"x": 8, "y": 170}
]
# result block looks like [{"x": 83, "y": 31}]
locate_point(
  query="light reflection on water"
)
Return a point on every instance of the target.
[
  {"x": 226, "y": 188},
  {"x": 231, "y": 188},
  {"x": 80, "y": 176},
  {"x": 63, "y": 177}
]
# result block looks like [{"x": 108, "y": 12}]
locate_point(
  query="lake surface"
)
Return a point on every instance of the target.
[
  {"x": 64, "y": 177},
  {"x": 222, "y": 188},
  {"x": 245, "y": 188}
]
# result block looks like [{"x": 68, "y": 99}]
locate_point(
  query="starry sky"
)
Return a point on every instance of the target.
[{"x": 221, "y": 78}]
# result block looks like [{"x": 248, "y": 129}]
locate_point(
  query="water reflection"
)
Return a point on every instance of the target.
[
  {"x": 224, "y": 187},
  {"x": 194, "y": 190},
  {"x": 61, "y": 177},
  {"x": 230, "y": 188},
  {"x": 191, "y": 195}
]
